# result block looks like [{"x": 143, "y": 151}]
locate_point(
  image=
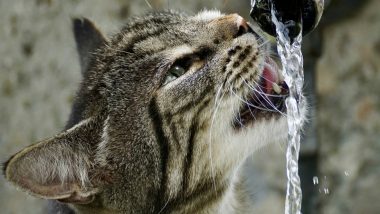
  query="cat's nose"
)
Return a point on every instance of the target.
[{"x": 231, "y": 25}]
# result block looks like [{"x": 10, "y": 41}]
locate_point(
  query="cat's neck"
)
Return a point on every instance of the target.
[
  {"x": 231, "y": 197},
  {"x": 236, "y": 198}
]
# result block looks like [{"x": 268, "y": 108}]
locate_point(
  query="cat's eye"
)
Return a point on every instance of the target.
[
  {"x": 191, "y": 62},
  {"x": 180, "y": 67},
  {"x": 173, "y": 73}
]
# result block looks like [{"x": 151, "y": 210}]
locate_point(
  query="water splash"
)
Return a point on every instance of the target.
[
  {"x": 326, "y": 191},
  {"x": 315, "y": 180},
  {"x": 290, "y": 53},
  {"x": 323, "y": 185}
]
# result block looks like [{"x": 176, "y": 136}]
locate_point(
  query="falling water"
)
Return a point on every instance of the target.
[{"x": 289, "y": 50}]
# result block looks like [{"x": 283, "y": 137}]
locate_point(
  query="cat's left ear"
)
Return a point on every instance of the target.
[
  {"x": 88, "y": 38},
  {"x": 61, "y": 167}
]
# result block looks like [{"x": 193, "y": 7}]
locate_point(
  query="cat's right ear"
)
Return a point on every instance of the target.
[
  {"x": 60, "y": 167},
  {"x": 88, "y": 38}
]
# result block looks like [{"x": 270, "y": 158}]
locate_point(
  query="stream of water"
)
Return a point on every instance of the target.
[{"x": 292, "y": 68}]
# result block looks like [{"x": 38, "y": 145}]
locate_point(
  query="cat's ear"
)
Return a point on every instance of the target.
[
  {"x": 88, "y": 38},
  {"x": 57, "y": 168}
]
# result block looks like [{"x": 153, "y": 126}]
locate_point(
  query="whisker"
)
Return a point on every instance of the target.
[
  {"x": 261, "y": 92},
  {"x": 149, "y": 5},
  {"x": 254, "y": 89},
  {"x": 238, "y": 116},
  {"x": 250, "y": 104},
  {"x": 264, "y": 95},
  {"x": 218, "y": 101},
  {"x": 162, "y": 209},
  {"x": 252, "y": 114}
]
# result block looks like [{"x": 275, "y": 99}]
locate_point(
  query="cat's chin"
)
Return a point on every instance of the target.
[{"x": 258, "y": 134}]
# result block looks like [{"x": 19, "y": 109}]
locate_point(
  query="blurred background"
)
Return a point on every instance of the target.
[{"x": 340, "y": 157}]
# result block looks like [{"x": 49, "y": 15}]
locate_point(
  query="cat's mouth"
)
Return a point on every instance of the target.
[{"x": 266, "y": 100}]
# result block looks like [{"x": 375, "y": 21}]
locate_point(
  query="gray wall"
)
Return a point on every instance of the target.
[
  {"x": 348, "y": 84},
  {"x": 39, "y": 73}
]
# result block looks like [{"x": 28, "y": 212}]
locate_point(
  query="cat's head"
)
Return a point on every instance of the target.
[{"x": 169, "y": 107}]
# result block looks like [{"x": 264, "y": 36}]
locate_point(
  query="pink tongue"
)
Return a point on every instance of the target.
[{"x": 269, "y": 79}]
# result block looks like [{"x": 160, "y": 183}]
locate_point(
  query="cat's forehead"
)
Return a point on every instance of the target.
[
  {"x": 159, "y": 31},
  {"x": 170, "y": 21},
  {"x": 208, "y": 15}
]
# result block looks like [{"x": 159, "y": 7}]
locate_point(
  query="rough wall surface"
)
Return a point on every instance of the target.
[{"x": 348, "y": 82}]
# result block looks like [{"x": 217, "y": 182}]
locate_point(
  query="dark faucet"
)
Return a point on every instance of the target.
[{"x": 290, "y": 12}]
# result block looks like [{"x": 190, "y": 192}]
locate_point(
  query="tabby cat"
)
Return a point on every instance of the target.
[{"x": 167, "y": 112}]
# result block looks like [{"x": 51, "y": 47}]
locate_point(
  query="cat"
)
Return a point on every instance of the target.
[{"x": 167, "y": 112}]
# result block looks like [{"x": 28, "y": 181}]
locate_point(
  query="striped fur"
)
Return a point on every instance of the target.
[{"x": 170, "y": 148}]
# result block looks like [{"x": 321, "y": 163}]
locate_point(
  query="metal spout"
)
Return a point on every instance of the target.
[{"x": 293, "y": 13}]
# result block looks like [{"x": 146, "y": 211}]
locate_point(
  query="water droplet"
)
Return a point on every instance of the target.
[
  {"x": 315, "y": 180},
  {"x": 346, "y": 173},
  {"x": 326, "y": 191}
]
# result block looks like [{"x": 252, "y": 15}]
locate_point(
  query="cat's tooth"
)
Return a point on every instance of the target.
[{"x": 276, "y": 88}]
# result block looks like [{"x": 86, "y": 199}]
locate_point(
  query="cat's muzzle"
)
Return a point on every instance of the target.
[{"x": 266, "y": 99}]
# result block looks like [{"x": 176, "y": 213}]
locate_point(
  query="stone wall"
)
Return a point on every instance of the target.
[{"x": 348, "y": 84}]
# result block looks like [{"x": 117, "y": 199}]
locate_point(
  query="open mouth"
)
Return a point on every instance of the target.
[{"x": 266, "y": 100}]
